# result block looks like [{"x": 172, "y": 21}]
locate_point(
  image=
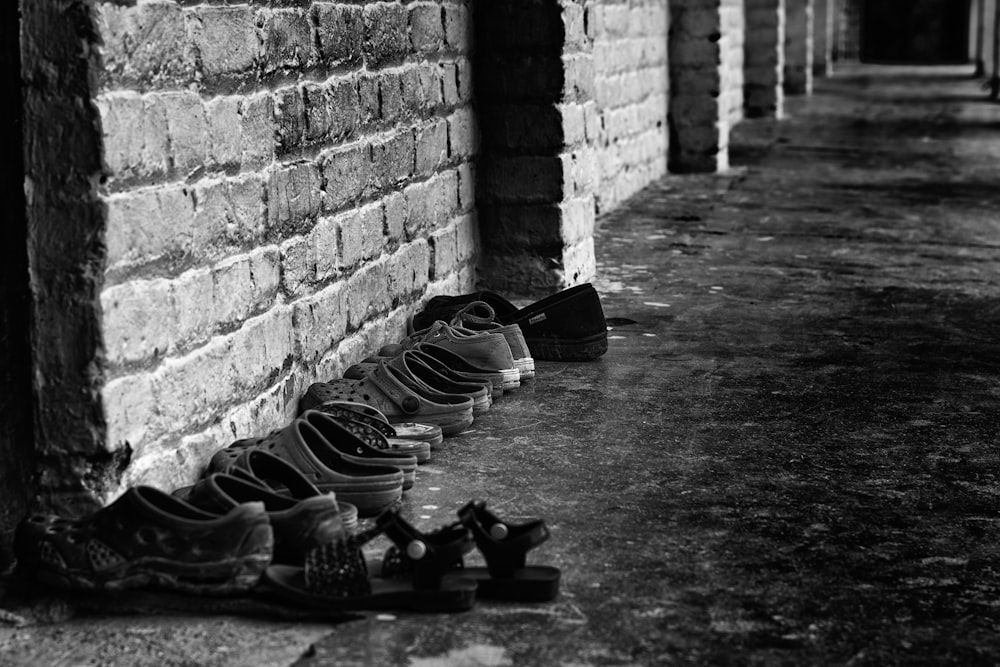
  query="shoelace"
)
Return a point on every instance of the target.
[{"x": 472, "y": 313}]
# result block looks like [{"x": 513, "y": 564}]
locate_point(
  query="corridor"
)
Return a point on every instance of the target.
[{"x": 788, "y": 454}]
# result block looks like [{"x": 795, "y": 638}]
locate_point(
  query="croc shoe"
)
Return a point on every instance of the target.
[
  {"x": 410, "y": 438},
  {"x": 147, "y": 538},
  {"x": 393, "y": 394},
  {"x": 370, "y": 489}
]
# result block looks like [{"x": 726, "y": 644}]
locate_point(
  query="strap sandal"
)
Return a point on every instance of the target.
[
  {"x": 370, "y": 489},
  {"x": 505, "y": 545},
  {"x": 427, "y": 381},
  {"x": 298, "y": 525},
  {"x": 393, "y": 394},
  {"x": 149, "y": 539},
  {"x": 415, "y": 431},
  {"x": 336, "y": 575},
  {"x": 265, "y": 469},
  {"x": 480, "y": 316},
  {"x": 370, "y": 450}
]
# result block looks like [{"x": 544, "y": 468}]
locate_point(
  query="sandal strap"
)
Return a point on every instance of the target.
[
  {"x": 504, "y": 545},
  {"x": 426, "y": 556},
  {"x": 347, "y": 415},
  {"x": 337, "y": 568}
]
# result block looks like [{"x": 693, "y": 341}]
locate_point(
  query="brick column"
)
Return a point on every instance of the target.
[
  {"x": 537, "y": 176},
  {"x": 706, "y": 82},
  {"x": 764, "y": 51},
  {"x": 798, "y": 47},
  {"x": 823, "y": 37},
  {"x": 847, "y": 31}
]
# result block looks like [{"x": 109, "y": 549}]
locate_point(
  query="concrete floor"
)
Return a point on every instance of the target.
[{"x": 788, "y": 455}]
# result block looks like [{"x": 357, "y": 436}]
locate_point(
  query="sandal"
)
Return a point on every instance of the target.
[
  {"x": 505, "y": 547},
  {"x": 389, "y": 390},
  {"x": 336, "y": 577},
  {"x": 370, "y": 489},
  {"x": 147, "y": 538},
  {"x": 298, "y": 525}
]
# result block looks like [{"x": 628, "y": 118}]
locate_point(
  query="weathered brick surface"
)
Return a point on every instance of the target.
[
  {"x": 284, "y": 182},
  {"x": 799, "y": 47},
  {"x": 630, "y": 95},
  {"x": 764, "y": 53}
]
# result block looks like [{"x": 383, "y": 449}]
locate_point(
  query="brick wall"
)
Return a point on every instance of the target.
[
  {"x": 630, "y": 94},
  {"x": 764, "y": 58},
  {"x": 281, "y": 183},
  {"x": 799, "y": 47}
]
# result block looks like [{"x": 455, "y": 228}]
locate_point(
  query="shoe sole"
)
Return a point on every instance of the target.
[
  {"x": 511, "y": 378},
  {"x": 223, "y": 577},
  {"x": 584, "y": 349},
  {"x": 450, "y": 424},
  {"x": 526, "y": 366}
]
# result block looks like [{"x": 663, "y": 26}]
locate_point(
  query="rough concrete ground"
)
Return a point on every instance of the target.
[{"x": 788, "y": 455}]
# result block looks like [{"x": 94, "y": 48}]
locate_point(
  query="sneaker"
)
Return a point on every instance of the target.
[
  {"x": 480, "y": 316},
  {"x": 147, "y": 538},
  {"x": 480, "y": 348},
  {"x": 566, "y": 326}
]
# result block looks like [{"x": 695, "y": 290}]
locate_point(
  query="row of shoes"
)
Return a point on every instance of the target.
[{"x": 279, "y": 514}]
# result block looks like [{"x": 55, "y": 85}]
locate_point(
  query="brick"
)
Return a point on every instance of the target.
[
  {"x": 289, "y": 119},
  {"x": 395, "y": 216},
  {"x": 320, "y": 322},
  {"x": 426, "y": 28},
  {"x": 187, "y": 129},
  {"x": 372, "y": 230},
  {"x": 165, "y": 217},
  {"x": 467, "y": 237},
  {"x": 257, "y": 130},
  {"x": 463, "y": 135},
  {"x": 408, "y": 269},
  {"x": 345, "y": 109},
  {"x": 419, "y": 208},
  {"x": 444, "y": 243},
  {"x": 526, "y": 180},
  {"x": 225, "y": 150},
  {"x": 368, "y": 99},
  {"x": 287, "y": 39},
  {"x": 385, "y": 34},
  {"x": 316, "y": 112},
  {"x": 348, "y": 175},
  {"x": 350, "y": 242},
  {"x": 226, "y": 39},
  {"x": 431, "y": 147},
  {"x": 392, "y": 159},
  {"x": 138, "y": 322},
  {"x": 135, "y": 138},
  {"x": 192, "y": 390},
  {"x": 338, "y": 32},
  {"x": 265, "y": 275},
  {"x": 298, "y": 265},
  {"x": 146, "y": 45},
  {"x": 421, "y": 88},
  {"x": 449, "y": 84},
  {"x": 325, "y": 248},
  {"x": 214, "y": 215},
  {"x": 466, "y": 187},
  {"x": 457, "y": 28},
  {"x": 445, "y": 187},
  {"x": 465, "y": 81},
  {"x": 129, "y": 410},
  {"x": 391, "y": 97},
  {"x": 232, "y": 290},
  {"x": 293, "y": 194},
  {"x": 193, "y": 308},
  {"x": 365, "y": 293}
]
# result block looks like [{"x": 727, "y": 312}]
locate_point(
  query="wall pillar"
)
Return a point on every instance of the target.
[
  {"x": 823, "y": 37},
  {"x": 798, "y": 47},
  {"x": 538, "y": 173},
  {"x": 764, "y": 54},
  {"x": 706, "y": 82},
  {"x": 847, "y": 34}
]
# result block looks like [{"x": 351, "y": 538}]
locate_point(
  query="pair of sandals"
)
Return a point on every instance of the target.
[{"x": 422, "y": 571}]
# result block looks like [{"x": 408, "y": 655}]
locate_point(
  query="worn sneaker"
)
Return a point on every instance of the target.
[
  {"x": 565, "y": 326},
  {"x": 480, "y": 316},
  {"x": 147, "y": 538}
]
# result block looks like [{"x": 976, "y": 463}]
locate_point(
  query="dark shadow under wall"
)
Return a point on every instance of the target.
[
  {"x": 915, "y": 31},
  {"x": 16, "y": 402}
]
